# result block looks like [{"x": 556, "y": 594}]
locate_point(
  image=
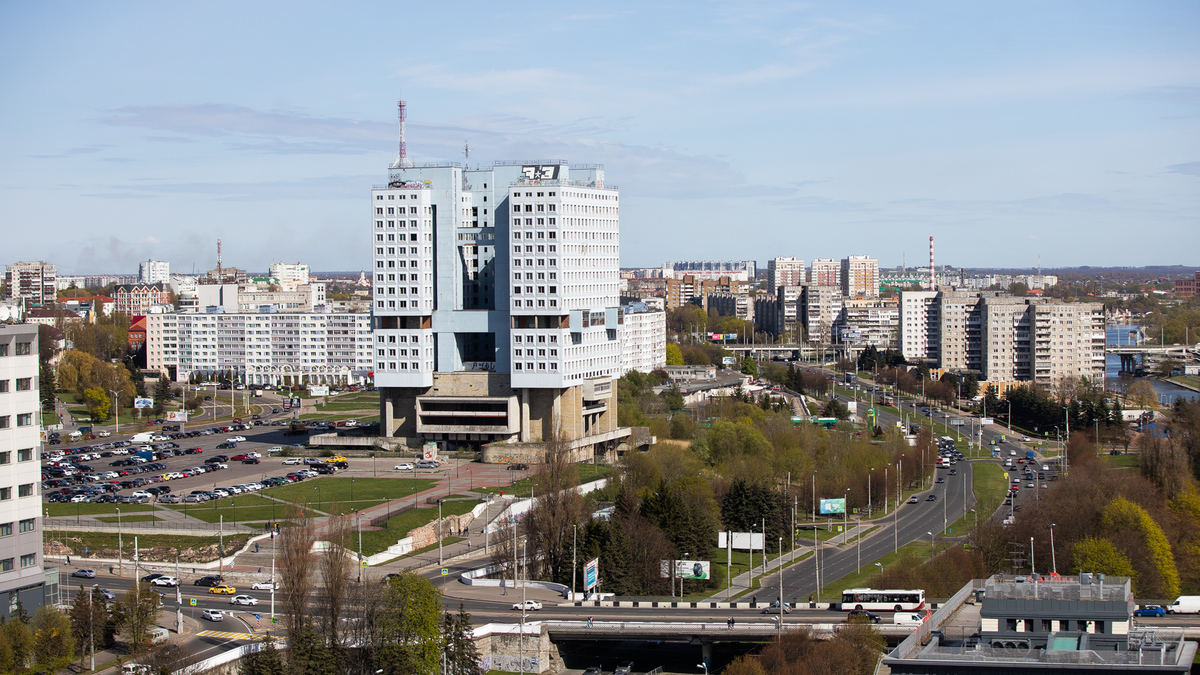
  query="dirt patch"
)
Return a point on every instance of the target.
[{"x": 187, "y": 554}]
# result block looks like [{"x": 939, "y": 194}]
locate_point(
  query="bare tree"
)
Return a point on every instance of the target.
[
  {"x": 363, "y": 613},
  {"x": 296, "y": 567},
  {"x": 549, "y": 524},
  {"x": 335, "y": 575}
]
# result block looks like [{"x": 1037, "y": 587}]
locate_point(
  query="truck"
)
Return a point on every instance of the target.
[
  {"x": 144, "y": 437},
  {"x": 296, "y": 429},
  {"x": 907, "y": 619},
  {"x": 147, "y": 455},
  {"x": 1029, "y": 454},
  {"x": 1185, "y": 604}
]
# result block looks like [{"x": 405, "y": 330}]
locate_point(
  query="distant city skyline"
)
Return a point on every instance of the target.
[{"x": 765, "y": 129}]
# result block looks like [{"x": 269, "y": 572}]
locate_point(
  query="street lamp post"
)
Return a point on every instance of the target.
[
  {"x": 930, "y": 545},
  {"x": 440, "y": 534},
  {"x": 976, "y": 527},
  {"x": 1053, "y": 559},
  {"x": 869, "y": 474},
  {"x": 120, "y": 544},
  {"x": 116, "y": 409}
]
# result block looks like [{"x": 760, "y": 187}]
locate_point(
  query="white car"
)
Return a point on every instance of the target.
[
  {"x": 243, "y": 600},
  {"x": 1024, "y": 439},
  {"x": 264, "y": 585},
  {"x": 293, "y": 460},
  {"x": 165, "y": 581},
  {"x": 255, "y": 455},
  {"x": 275, "y": 449},
  {"x": 528, "y": 605},
  {"x": 236, "y": 439},
  {"x": 104, "y": 434},
  {"x": 213, "y": 615},
  {"x": 403, "y": 467}
]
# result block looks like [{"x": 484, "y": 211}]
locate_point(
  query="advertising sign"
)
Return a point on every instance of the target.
[
  {"x": 177, "y": 415},
  {"x": 986, "y": 421},
  {"x": 742, "y": 541},
  {"x": 830, "y": 506},
  {"x": 429, "y": 451},
  {"x": 591, "y": 573},
  {"x": 142, "y": 403},
  {"x": 728, "y": 361},
  {"x": 684, "y": 569},
  {"x": 318, "y": 390},
  {"x": 852, "y": 406}
]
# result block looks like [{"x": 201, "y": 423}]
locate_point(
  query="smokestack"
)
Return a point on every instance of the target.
[{"x": 932, "y": 270}]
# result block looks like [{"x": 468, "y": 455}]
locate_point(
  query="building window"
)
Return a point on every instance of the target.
[
  {"x": 5, "y": 529},
  {"x": 5, "y": 457},
  {"x": 24, "y": 383},
  {"x": 4, "y": 350},
  {"x": 22, "y": 349},
  {"x": 24, "y": 419},
  {"x": 6, "y": 565},
  {"x": 25, "y": 490},
  {"x": 3, "y": 386},
  {"x": 29, "y": 560},
  {"x": 28, "y": 525}
]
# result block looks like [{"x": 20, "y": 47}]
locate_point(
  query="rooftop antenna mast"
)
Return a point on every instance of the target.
[
  {"x": 402, "y": 161},
  {"x": 220, "y": 275},
  {"x": 466, "y": 154}
]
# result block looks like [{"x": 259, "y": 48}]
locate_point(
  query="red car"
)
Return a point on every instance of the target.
[{"x": 238, "y": 458}]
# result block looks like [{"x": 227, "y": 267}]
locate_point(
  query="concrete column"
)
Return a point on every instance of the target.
[
  {"x": 706, "y": 652},
  {"x": 524, "y": 415},
  {"x": 556, "y": 413},
  {"x": 387, "y": 424}
]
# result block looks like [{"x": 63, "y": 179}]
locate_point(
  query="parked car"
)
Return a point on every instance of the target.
[{"x": 401, "y": 467}]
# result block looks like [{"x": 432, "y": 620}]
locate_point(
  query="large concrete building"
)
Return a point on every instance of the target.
[
  {"x": 819, "y": 308},
  {"x": 290, "y": 275},
  {"x": 825, "y": 272},
  {"x": 21, "y": 575},
  {"x": 865, "y": 323},
  {"x": 738, "y": 270},
  {"x": 1004, "y": 338},
  {"x": 154, "y": 272},
  {"x": 33, "y": 282},
  {"x": 497, "y": 317},
  {"x": 141, "y": 298},
  {"x": 860, "y": 277},
  {"x": 643, "y": 338},
  {"x": 262, "y": 348},
  {"x": 784, "y": 272}
]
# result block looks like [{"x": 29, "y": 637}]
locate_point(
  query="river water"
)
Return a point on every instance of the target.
[{"x": 1124, "y": 336}]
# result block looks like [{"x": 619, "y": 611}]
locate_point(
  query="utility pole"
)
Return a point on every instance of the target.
[
  {"x": 574, "y": 550},
  {"x": 439, "y": 532},
  {"x": 221, "y": 548},
  {"x": 358, "y": 526}
]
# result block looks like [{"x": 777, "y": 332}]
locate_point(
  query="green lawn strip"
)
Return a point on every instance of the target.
[
  {"x": 398, "y": 527},
  {"x": 139, "y": 518},
  {"x": 151, "y": 547},
  {"x": 337, "y": 405},
  {"x": 868, "y": 575},
  {"x": 237, "y": 509},
  {"x": 990, "y": 486},
  {"x": 333, "y": 495},
  {"x": 1188, "y": 380},
  {"x": 63, "y": 509},
  {"x": 757, "y": 582},
  {"x": 719, "y": 557},
  {"x": 1126, "y": 461},
  {"x": 827, "y": 530},
  {"x": 522, "y": 487}
]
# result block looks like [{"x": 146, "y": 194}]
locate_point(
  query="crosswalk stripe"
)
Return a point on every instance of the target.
[{"x": 230, "y": 636}]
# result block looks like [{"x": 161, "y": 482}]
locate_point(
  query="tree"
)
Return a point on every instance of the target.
[
  {"x": 674, "y": 355},
  {"x": 1157, "y": 575},
  {"x": 90, "y": 621},
  {"x": 53, "y": 643},
  {"x": 16, "y": 646},
  {"x": 335, "y": 574},
  {"x": 135, "y": 614},
  {"x": 1095, "y": 554},
  {"x": 1142, "y": 395},
  {"x": 549, "y": 525},
  {"x": 266, "y": 661},
  {"x": 296, "y": 568},
  {"x": 835, "y": 408},
  {"x": 162, "y": 394},
  {"x": 47, "y": 389},
  {"x": 673, "y": 398},
  {"x": 98, "y": 404},
  {"x": 462, "y": 657},
  {"x": 749, "y": 366},
  {"x": 410, "y": 625}
]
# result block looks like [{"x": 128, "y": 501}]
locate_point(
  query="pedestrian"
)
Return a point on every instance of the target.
[
  {"x": 754, "y": 598},
  {"x": 589, "y": 622},
  {"x": 256, "y": 547},
  {"x": 468, "y": 546}
]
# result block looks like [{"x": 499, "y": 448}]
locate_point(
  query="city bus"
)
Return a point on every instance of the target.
[{"x": 890, "y": 600}]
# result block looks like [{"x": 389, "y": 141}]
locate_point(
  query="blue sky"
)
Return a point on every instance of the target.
[{"x": 734, "y": 130}]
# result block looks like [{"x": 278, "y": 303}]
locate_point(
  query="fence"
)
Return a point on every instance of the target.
[{"x": 67, "y": 523}]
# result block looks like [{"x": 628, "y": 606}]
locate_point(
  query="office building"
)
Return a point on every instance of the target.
[
  {"x": 21, "y": 575},
  {"x": 262, "y": 347},
  {"x": 33, "y": 282},
  {"x": 154, "y": 272},
  {"x": 289, "y": 275},
  {"x": 497, "y": 315},
  {"x": 643, "y": 338},
  {"x": 860, "y": 277},
  {"x": 738, "y": 270},
  {"x": 825, "y": 272},
  {"x": 141, "y": 298},
  {"x": 784, "y": 272}
]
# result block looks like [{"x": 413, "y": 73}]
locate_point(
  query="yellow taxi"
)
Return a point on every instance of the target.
[{"x": 222, "y": 589}]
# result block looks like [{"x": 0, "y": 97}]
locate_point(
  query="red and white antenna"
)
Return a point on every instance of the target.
[
  {"x": 932, "y": 272},
  {"x": 402, "y": 161},
  {"x": 219, "y": 275}
]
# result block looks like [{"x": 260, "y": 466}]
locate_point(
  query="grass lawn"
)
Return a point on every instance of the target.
[
  {"x": 139, "y": 518},
  {"x": 338, "y": 495},
  {"x": 151, "y": 547},
  {"x": 869, "y": 576},
  {"x": 61, "y": 509},
  {"x": 990, "y": 487},
  {"x": 522, "y": 487},
  {"x": 377, "y": 541},
  {"x": 237, "y": 509},
  {"x": 1126, "y": 461},
  {"x": 339, "y": 404}
]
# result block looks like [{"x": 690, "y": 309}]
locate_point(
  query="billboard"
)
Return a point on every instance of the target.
[
  {"x": 986, "y": 421},
  {"x": 728, "y": 360},
  {"x": 591, "y": 574},
  {"x": 142, "y": 403},
  {"x": 429, "y": 451},
  {"x": 684, "y": 569},
  {"x": 829, "y": 506},
  {"x": 318, "y": 390},
  {"x": 850, "y": 335},
  {"x": 742, "y": 541},
  {"x": 177, "y": 415}
]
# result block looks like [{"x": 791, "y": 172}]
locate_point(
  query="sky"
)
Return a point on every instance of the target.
[{"x": 1010, "y": 132}]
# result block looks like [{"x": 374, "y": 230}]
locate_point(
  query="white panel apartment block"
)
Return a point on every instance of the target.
[{"x": 20, "y": 468}]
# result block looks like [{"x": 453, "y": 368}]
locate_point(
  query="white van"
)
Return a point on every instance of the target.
[
  {"x": 1185, "y": 604},
  {"x": 144, "y": 437},
  {"x": 907, "y": 619}
]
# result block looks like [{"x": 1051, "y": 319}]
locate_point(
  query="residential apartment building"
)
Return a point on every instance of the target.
[
  {"x": 497, "y": 317},
  {"x": 784, "y": 272},
  {"x": 860, "y": 277},
  {"x": 819, "y": 307},
  {"x": 868, "y": 323},
  {"x": 290, "y": 275},
  {"x": 140, "y": 298},
  {"x": 825, "y": 272},
  {"x": 740, "y": 305},
  {"x": 154, "y": 272},
  {"x": 779, "y": 312},
  {"x": 738, "y": 270},
  {"x": 34, "y": 282},
  {"x": 680, "y": 292},
  {"x": 643, "y": 338},
  {"x": 262, "y": 348},
  {"x": 918, "y": 336},
  {"x": 21, "y": 575}
]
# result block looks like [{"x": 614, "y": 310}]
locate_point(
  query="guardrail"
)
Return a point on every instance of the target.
[{"x": 69, "y": 524}]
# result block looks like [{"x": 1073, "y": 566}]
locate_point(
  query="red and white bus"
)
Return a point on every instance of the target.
[{"x": 886, "y": 600}]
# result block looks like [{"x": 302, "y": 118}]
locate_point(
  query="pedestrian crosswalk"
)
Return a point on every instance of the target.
[{"x": 231, "y": 636}]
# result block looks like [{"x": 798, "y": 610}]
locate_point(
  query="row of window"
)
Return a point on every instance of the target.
[
  {"x": 23, "y": 420},
  {"x": 392, "y": 223},
  {"x": 540, "y": 235},
  {"x": 21, "y": 349},
  {"x": 23, "y": 384},
  {"x": 393, "y": 210},
  {"x": 530, "y": 208},
  {"x": 27, "y": 560},
  {"x": 531, "y": 366},
  {"x": 27, "y": 525},
  {"x": 24, "y": 490},
  {"x": 23, "y": 455}
]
